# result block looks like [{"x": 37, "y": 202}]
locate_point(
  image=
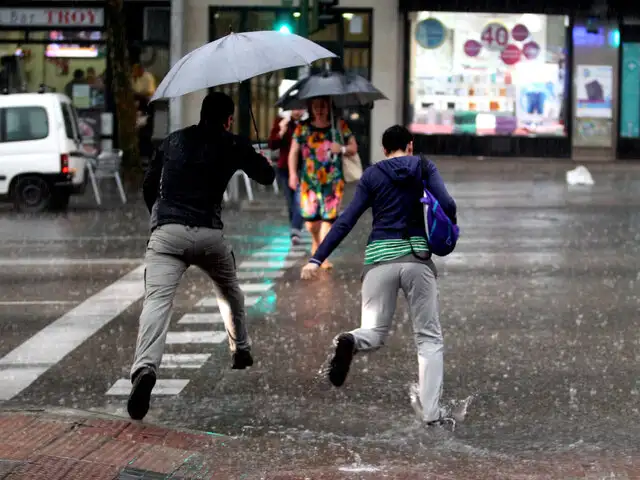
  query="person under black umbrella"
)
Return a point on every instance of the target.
[{"x": 321, "y": 179}]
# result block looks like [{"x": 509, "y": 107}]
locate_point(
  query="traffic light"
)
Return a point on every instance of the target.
[
  {"x": 285, "y": 23},
  {"x": 324, "y": 13},
  {"x": 284, "y": 28}
]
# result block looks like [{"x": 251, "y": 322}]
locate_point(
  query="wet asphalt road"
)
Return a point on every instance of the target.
[{"x": 539, "y": 306}]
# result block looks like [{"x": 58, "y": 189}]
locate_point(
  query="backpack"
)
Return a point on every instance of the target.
[{"x": 442, "y": 233}]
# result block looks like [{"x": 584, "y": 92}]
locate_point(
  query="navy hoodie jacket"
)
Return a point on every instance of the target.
[{"x": 392, "y": 188}]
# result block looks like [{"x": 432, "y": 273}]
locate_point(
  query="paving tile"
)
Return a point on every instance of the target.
[
  {"x": 187, "y": 441},
  {"x": 109, "y": 428},
  {"x": 75, "y": 444},
  {"x": 138, "y": 474},
  {"x": 43, "y": 467},
  {"x": 11, "y": 451},
  {"x": 7, "y": 466},
  {"x": 162, "y": 459},
  {"x": 118, "y": 453},
  {"x": 92, "y": 471},
  {"x": 38, "y": 434},
  {"x": 13, "y": 422},
  {"x": 144, "y": 433}
]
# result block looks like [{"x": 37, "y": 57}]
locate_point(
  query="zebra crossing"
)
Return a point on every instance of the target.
[{"x": 257, "y": 275}]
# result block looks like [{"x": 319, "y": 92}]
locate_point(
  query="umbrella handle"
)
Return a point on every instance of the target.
[{"x": 255, "y": 126}]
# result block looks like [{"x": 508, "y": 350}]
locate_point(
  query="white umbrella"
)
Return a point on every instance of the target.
[{"x": 236, "y": 58}]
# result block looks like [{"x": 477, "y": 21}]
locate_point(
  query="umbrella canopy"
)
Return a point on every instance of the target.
[
  {"x": 238, "y": 57},
  {"x": 345, "y": 89}
]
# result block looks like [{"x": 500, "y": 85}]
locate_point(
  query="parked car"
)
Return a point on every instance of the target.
[{"x": 41, "y": 158}]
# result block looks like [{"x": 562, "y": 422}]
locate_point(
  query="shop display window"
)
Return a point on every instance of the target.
[{"x": 487, "y": 74}]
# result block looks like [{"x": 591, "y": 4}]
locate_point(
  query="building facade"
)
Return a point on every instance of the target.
[
  {"x": 45, "y": 44},
  {"x": 368, "y": 38},
  {"x": 468, "y": 78}
]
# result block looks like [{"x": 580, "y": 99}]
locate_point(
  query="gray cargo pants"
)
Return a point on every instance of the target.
[
  {"x": 379, "y": 297},
  {"x": 171, "y": 250}
]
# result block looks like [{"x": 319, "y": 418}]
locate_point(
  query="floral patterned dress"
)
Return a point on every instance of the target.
[{"x": 322, "y": 181}]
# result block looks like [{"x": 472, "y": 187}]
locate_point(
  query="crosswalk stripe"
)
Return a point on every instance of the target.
[
  {"x": 256, "y": 287},
  {"x": 258, "y": 275},
  {"x": 279, "y": 254},
  {"x": 303, "y": 240},
  {"x": 249, "y": 301},
  {"x": 55, "y": 341},
  {"x": 266, "y": 264},
  {"x": 67, "y": 262},
  {"x": 169, "y": 386},
  {"x": 198, "y": 318},
  {"x": 180, "y": 338},
  {"x": 184, "y": 360}
]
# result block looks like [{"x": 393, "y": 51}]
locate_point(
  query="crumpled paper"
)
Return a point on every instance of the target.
[{"x": 580, "y": 176}]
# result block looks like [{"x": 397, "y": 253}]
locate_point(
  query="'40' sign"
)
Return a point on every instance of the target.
[{"x": 495, "y": 36}]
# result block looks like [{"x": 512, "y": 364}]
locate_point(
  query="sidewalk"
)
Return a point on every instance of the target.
[
  {"x": 70, "y": 445},
  {"x": 538, "y": 166}
]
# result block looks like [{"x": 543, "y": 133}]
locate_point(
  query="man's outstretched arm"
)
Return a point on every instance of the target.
[
  {"x": 344, "y": 224},
  {"x": 255, "y": 164}
]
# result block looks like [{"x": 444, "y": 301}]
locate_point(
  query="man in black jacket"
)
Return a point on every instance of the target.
[{"x": 183, "y": 190}]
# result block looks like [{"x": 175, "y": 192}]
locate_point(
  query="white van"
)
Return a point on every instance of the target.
[{"x": 41, "y": 159}]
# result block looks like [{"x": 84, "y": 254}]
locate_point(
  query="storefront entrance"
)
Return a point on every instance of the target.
[
  {"x": 62, "y": 47},
  {"x": 57, "y": 49},
  {"x": 350, "y": 38}
]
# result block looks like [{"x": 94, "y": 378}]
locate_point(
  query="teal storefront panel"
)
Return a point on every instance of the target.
[{"x": 630, "y": 94}]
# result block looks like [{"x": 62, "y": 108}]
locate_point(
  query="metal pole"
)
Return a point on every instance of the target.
[
  {"x": 304, "y": 18},
  {"x": 177, "y": 42},
  {"x": 304, "y": 31}
]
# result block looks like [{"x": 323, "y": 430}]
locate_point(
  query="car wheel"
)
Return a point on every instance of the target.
[{"x": 32, "y": 194}]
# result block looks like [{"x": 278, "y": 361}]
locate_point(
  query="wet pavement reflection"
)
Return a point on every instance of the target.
[{"x": 539, "y": 306}]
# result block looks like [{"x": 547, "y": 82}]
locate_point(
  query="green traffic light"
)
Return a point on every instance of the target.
[{"x": 284, "y": 28}]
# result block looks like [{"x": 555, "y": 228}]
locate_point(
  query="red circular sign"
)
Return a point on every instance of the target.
[
  {"x": 531, "y": 50},
  {"x": 520, "y": 32},
  {"x": 472, "y": 48},
  {"x": 495, "y": 36},
  {"x": 510, "y": 55}
]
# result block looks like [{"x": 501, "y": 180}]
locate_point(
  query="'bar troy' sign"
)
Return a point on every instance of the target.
[{"x": 52, "y": 17}]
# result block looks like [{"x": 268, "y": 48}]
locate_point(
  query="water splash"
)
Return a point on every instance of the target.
[
  {"x": 358, "y": 466},
  {"x": 453, "y": 413}
]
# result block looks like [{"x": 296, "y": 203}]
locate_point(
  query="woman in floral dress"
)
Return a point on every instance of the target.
[{"x": 322, "y": 181}]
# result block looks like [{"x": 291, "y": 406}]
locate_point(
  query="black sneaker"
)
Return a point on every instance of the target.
[
  {"x": 241, "y": 359},
  {"x": 341, "y": 361},
  {"x": 143, "y": 382}
]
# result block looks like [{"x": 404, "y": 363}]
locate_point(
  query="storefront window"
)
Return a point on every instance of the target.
[
  {"x": 487, "y": 74},
  {"x": 64, "y": 61}
]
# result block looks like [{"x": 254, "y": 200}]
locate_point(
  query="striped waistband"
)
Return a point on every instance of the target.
[{"x": 385, "y": 250}]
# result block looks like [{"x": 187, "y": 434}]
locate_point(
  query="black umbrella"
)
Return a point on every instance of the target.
[{"x": 345, "y": 90}]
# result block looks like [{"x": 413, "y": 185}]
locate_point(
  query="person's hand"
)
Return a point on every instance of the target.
[
  {"x": 293, "y": 181},
  {"x": 284, "y": 125},
  {"x": 309, "y": 271},
  {"x": 336, "y": 147}
]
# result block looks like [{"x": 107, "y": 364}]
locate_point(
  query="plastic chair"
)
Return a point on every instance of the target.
[
  {"x": 267, "y": 152},
  {"x": 106, "y": 165}
]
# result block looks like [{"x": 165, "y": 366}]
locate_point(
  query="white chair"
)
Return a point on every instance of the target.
[
  {"x": 267, "y": 152},
  {"x": 106, "y": 165},
  {"x": 247, "y": 185}
]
